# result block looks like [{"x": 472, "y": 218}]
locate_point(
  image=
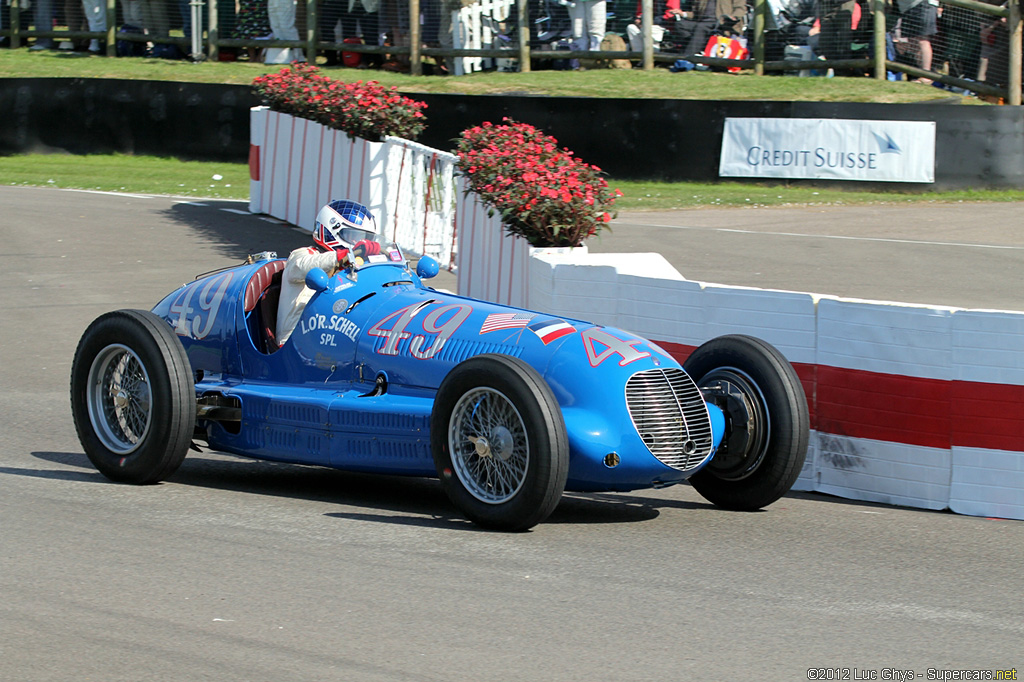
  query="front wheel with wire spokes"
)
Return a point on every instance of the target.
[
  {"x": 133, "y": 397},
  {"x": 499, "y": 442}
]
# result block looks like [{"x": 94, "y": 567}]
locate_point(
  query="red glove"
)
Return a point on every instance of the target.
[
  {"x": 365, "y": 249},
  {"x": 361, "y": 249}
]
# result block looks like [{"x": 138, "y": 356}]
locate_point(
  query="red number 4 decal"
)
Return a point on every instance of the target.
[{"x": 612, "y": 346}]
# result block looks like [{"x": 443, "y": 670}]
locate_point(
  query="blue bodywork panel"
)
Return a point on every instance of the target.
[{"x": 312, "y": 401}]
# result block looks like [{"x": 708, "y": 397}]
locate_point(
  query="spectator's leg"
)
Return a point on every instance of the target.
[
  {"x": 74, "y": 17},
  {"x": 635, "y": 38},
  {"x": 836, "y": 35},
  {"x": 925, "y": 51},
  {"x": 154, "y": 17},
  {"x": 331, "y": 13},
  {"x": 577, "y": 17},
  {"x": 282, "y": 24},
  {"x": 96, "y": 15},
  {"x": 42, "y": 15},
  {"x": 701, "y": 32},
  {"x": 447, "y": 29},
  {"x": 597, "y": 17}
]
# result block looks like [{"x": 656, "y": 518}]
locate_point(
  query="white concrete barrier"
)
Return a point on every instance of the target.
[
  {"x": 987, "y": 404},
  {"x": 883, "y": 399},
  {"x": 920, "y": 406}
]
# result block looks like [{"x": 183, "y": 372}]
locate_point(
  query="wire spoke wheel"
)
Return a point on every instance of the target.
[
  {"x": 133, "y": 397},
  {"x": 118, "y": 399},
  {"x": 490, "y": 451},
  {"x": 499, "y": 442}
]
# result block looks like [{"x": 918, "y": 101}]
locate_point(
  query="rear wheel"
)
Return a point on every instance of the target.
[
  {"x": 499, "y": 442},
  {"x": 132, "y": 397},
  {"x": 767, "y": 422}
]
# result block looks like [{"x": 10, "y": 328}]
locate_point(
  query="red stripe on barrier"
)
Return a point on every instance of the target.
[
  {"x": 319, "y": 167},
  {"x": 288, "y": 182},
  {"x": 989, "y": 416},
  {"x": 501, "y": 264},
  {"x": 348, "y": 180},
  {"x": 254, "y": 162},
  {"x": 302, "y": 172},
  {"x": 889, "y": 407},
  {"x": 466, "y": 260},
  {"x": 334, "y": 156},
  {"x": 362, "y": 172},
  {"x": 269, "y": 186},
  {"x": 895, "y": 408}
]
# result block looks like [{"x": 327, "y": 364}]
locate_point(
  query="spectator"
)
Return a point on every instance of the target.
[
  {"x": 837, "y": 19},
  {"x": 329, "y": 18},
  {"x": 589, "y": 18},
  {"x": 282, "y": 23},
  {"x": 446, "y": 35},
  {"x": 154, "y": 18},
  {"x": 74, "y": 19},
  {"x": 362, "y": 18},
  {"x": 634, "y": 30},
  {"x": 148, "y": 15},
  {"x": 919, "y": 21},
  {"x": 96, "y": 16},
  {"x": 395, "y": 14},
  {"x": 695, "y": 25},
  {"x": 42, "y": 14},
  {"x": 993, "y": 66},
  {"x": 253, "y": 24},
  {"x": 796, "y": 22}
]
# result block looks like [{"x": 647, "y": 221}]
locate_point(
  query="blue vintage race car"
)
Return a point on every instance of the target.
[{"x": 507, "y": 407}]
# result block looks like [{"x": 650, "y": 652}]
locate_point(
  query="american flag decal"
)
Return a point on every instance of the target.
[
  {"x": 499, "y": 321},
  {"x": 551, "y": 330}
]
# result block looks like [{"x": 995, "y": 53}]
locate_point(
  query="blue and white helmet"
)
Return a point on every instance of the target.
[{"x": 342, "y": 223}]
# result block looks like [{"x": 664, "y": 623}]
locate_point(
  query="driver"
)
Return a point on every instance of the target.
[{"x": 341, "y": 227}]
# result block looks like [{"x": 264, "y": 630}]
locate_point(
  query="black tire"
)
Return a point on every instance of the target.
[
  {"x": 133, "y": 397},
  {"x": 509, "y": 473},
  {"x": 767, "y": 422}
]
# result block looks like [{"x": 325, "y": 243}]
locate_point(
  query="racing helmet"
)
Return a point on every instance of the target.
[{"x": 342, "y": 223}]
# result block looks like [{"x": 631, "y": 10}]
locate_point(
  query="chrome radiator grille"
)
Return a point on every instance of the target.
[{"x": 670, "y": 415}]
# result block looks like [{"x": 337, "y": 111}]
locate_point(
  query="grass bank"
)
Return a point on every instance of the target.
[
  {"x": 624, "y": 84},
  {"x": 152, "y": 175},
  {"x": 219, "y": 180}
]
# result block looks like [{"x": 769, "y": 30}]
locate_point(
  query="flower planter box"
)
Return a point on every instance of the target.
[
  {"x": 493, "y": 265},
  {"x": 297, "y": 165}
]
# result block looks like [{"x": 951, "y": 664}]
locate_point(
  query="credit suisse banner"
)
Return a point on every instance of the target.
[{"x": 828, "y": 149}]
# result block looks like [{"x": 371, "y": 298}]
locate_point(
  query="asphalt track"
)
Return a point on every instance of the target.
[{"x": 248, "y": 571}]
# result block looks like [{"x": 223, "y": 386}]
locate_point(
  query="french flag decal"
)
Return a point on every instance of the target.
[{"x": 551, "y": 330}]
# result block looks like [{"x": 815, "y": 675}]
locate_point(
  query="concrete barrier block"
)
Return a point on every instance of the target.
[
  {"x": 987, "y": 483},
  {"x": 988, "y": 346},
  {"x": 886, "y": 472},
  {"x": 808, "y": 479},
  {"x": 662, "y": 309},
  {"x": 886, "y": 338},
  {"x": 257, "y": 150},
  {"x": 782, "y": 318}
]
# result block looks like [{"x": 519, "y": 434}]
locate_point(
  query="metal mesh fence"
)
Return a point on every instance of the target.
[{"x": 966, "y": 44}]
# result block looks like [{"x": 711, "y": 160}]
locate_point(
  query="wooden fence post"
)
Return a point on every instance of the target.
[{"x": 1014, "y": 75}]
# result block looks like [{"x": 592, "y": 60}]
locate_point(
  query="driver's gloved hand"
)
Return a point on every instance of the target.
[{"x": 365, "y": 248}]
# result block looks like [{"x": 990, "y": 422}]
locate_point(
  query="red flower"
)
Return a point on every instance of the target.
[
  {"x": 544, "y": 194},
  {"x": 366, "y": 110}
]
